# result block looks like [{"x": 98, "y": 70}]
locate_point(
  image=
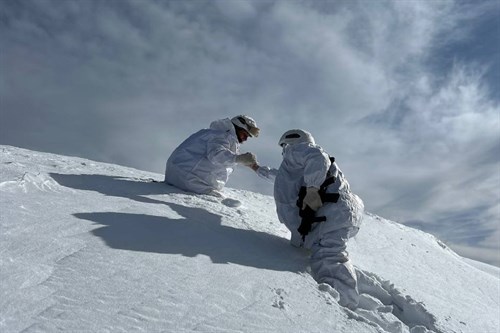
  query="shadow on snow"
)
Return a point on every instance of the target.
[{"x": 196, "y": 232}]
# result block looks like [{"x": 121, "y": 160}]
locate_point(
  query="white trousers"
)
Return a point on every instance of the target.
[{"x": 330, "y": 264}]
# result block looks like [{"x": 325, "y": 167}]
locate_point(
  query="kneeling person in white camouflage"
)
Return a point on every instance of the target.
[
  {"x": 204, "y": 161},
  {"x": 314, "y": 201}
]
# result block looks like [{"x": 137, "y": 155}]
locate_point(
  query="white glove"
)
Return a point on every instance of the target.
[
  {"x": 263, "y": 171},
  {"x": 267, "y": 173},
  {"x": 312, "y": 199},
  {"x": 247, "y": 159}
]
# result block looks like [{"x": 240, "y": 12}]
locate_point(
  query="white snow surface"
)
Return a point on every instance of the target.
[{"x": 93, "y": 247}]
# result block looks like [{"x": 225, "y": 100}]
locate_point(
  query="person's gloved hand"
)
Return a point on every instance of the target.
[
  {"x": 312, "y": 199},
  {"x": 263, "y": 171},
  {"x": 247, "y": 159},
  {"x": 267, "y": 173}
]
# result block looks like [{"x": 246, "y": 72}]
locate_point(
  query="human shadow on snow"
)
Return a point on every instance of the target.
[
  {"x": 125, "y": 187},
  {"x": 196, "y": 231}
]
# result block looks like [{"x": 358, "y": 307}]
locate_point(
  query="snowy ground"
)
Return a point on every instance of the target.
[{"x": 95, "y": 247}]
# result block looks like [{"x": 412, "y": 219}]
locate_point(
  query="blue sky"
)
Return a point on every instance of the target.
[{"x": 405, "y": 94}]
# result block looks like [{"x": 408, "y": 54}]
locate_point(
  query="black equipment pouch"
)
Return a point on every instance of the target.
[
  {"x": 308, "y": 218},
  {"x": 308, "y": 215}
]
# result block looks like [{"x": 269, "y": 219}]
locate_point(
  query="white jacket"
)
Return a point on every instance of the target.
[
  {"x": 305, "y": 164},
  {"x": 204, "y": 161}
]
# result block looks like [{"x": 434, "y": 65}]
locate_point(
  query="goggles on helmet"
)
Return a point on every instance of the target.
[{"x": 246, "y": 123}]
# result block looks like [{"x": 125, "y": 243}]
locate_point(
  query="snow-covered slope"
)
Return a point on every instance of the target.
[{"x": 94, "y": 247}]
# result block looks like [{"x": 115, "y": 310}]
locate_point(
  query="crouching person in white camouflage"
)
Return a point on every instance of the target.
[
  {"x": 314, "y": 201},
  {"x": 204, "y": 161}
]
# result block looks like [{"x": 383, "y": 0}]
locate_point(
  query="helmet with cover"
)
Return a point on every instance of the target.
[
  {"x": 246, "y": 123},
  {"x": 295, "y": 136}
]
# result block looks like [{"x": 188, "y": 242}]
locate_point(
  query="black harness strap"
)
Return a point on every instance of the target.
[{"x": 330, "y": 197}]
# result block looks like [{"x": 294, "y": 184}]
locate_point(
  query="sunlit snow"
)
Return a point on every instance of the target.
[{"x": 94, "y": 247}]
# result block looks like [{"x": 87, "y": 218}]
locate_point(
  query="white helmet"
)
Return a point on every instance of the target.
[
  {"x": 247, "y": 123},
  {"x": 295, "y": 136}
]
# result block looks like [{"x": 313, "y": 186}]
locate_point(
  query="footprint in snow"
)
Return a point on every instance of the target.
[
  {"x": 382, "y": 304},
  {"x": 279, "y": 301},
  {"x": 231, "y": 202}
]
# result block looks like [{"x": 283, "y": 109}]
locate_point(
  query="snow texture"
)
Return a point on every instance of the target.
[{"x": 95, "y": 247}]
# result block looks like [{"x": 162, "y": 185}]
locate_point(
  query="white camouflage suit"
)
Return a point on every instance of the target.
[
  {"x": 204, "y": 161},
  {"x": 306, "y": 164}
]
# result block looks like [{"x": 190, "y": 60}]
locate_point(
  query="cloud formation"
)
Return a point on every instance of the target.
[{"x": 401, "y": 92}]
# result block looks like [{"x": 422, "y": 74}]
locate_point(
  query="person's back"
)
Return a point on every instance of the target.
[
  {"x": 307, "y": 164},
  {"x": 204, "y": 161},
  {"x": 308, "y": 181},
  {"x": 200, "y": 164}
]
